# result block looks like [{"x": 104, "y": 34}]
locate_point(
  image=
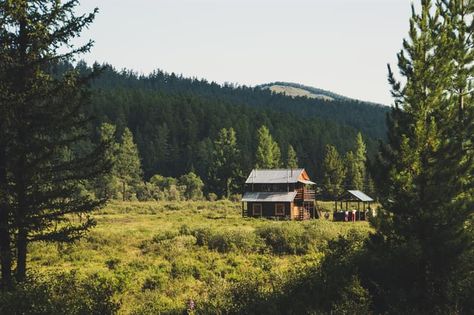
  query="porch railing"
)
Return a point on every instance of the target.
[{"x": 305, "y": 194}]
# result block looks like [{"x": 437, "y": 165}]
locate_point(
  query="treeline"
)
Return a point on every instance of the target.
[
  {"x": 225, "y": 175},
  {"x": 364, "y": 116},
  {"x": 175, "y": 120}
]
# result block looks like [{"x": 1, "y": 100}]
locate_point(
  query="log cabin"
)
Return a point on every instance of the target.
[{"x": 279, "y": 193}]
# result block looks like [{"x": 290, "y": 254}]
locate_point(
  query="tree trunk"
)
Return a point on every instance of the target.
[
  {"x": 22, "y": 243},
  {"x": 123, "y": 191},
  {"x": 5, "y": 240},
  {"x": 5, "y": 249},
  {"x": 228, "y": 181}
]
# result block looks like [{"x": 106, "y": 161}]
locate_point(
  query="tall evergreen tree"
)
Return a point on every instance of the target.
[
  {"x": 107, "y": 185},
  {"x": 427, "y": 169},
  {"x": 127, "y": 165},
  {"x": 356, "y": 165},
  {"x": 225, "y": 172},
  {"x": 334, "y": 173},
  {"x": 291, "y": 158},
  {"x": 360, "y": 155},
  {"x": 354, "y": 179},
  {"x": 43, "y": 118},
  {"x": 268, "y": 152}
]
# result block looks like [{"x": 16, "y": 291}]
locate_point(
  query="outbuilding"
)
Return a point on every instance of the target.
[{"x": 350, "y": 199}]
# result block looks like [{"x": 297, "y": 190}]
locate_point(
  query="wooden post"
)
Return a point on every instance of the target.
[{"x": 358, "y": 209}]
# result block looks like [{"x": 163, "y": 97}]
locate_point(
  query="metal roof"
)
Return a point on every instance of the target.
[
  {"x": 269, "y": 196},
  {"x": 278, "y": 176},
  {"x": 360, "y": 195}
]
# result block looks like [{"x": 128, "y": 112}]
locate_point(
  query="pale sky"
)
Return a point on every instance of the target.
[{"x": 338, "y": 45}]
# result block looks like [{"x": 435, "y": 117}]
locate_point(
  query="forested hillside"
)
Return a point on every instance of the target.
[{"x": 175, "y": 120}]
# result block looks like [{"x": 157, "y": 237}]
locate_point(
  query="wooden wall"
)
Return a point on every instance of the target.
[{"x": 268, "y": 209}]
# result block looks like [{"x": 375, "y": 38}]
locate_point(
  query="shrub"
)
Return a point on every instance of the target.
[
  {"x": 155, "y": 303},
  {"x": 228, "y": 241},
  {"x": 225, "y": 241},
  {"x": 64, "y": 293},
  {"x": 112, "y": 263},
  {"x": 235, "y": 197},
  {"x": 192, "y": 185},
  {"x": 165, "y": 235},
  {"x": 155, "y": 281},
  {"x": 284, "y": 238},
  {"x": 184, "y": 230},
  {"x": 212, "y": 197}
]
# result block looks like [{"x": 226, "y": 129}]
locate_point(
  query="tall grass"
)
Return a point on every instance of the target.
[{"x": 165, "y": 253}]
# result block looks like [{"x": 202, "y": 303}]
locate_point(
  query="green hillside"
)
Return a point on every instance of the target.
[{"x": 175, "y": 120}]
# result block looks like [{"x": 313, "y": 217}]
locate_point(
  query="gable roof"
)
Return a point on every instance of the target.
[
  {"x": 269, "y": 196},
  {"x": 360, "y": 195},
  {"x": 278, "y": 176}
]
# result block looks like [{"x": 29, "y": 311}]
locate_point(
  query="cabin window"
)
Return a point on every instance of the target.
[
  {"x": 257, "y": 209},
  {"x": 279, "y": 209}
]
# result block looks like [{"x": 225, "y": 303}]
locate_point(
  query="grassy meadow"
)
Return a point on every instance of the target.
[{"x": 160, "y": 255}]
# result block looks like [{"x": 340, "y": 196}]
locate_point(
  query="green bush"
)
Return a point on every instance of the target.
[
  {"x": 226, "y": 240},
  {"x": 212, "y": 197},
  {"x": 235, "y": 197},
  {"x": 155, "y": 281},
  {"x": 284, "y": 238},
  {"x": 64, "y": 293},
  {"x": 112, "y": 263}
]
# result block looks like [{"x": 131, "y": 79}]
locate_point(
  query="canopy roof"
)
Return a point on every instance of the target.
[
  {"x": 269, "y": 196},
  {"x": 359, "y": 195},
  {"x": 278, "y": 176}
]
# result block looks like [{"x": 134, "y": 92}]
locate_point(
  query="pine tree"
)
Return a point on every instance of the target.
[
  {"x": 268, "y": 152},
  {"x": 291, "y": 158},
  {"x": 334, "y": 173},
  {"x": 127, "y": 165},
  {"x": 426, "y": 180},
  {"x": 360, "y": 156},
  {"x": 354, "y": 179},
  {"x": 355, "y": 165},
  {"x": 108, "y": 186},
  {"x": 225, "y": 172},
  {"x": 43, "y": 118}
]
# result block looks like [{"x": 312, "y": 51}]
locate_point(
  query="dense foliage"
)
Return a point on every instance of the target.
[
  {"x": 426, "y": 170},
  {"x": 154, "y": 257},
  {"x": 176, "y": 120},
  {"x": 43, "y": 121}
]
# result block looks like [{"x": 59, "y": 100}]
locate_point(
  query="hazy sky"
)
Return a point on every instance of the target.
[{"x": 338, "y": 45}]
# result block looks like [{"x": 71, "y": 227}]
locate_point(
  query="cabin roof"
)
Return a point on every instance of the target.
[
  {"x": 360, "y": 195},
  {"x": 269, "y": 196},
  {"x": 277, "y": 176}
]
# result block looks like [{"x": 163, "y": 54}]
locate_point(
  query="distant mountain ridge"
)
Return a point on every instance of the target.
[
  {"x": 299, "y": 90},
  {"x": 295, "y": 92}
]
